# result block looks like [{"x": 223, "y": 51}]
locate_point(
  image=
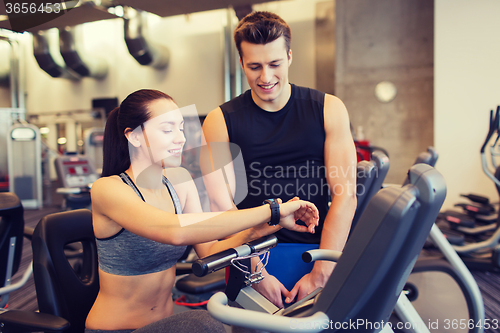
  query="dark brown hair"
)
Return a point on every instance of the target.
[
  {"x": 262, "y": 28},
  {"x": 132, "y": 113}
]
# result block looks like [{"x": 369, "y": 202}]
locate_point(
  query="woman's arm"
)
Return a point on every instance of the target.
[
  {"x": 190, "y": 200},
  {"x": 115, "y": 200}
]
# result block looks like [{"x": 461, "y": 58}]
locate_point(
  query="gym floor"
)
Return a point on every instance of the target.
[{"x": 25, "y": 298}]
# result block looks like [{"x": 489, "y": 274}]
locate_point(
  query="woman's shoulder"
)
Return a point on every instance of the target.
[
  {"x": 103, "y": 182},
  {"x": 111, "y": 193},
  {"x": 108, "y": 185}
]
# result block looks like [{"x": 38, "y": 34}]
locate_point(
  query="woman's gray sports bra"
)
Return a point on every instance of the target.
[{"x": 126, "y": 253}]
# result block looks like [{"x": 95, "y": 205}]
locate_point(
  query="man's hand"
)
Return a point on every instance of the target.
[
  {"x": 310, "y": 282},
  {"x": 271, "y": 289}
]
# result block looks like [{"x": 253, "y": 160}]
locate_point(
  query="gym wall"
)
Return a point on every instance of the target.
[
  {"x": 388, "y": 40},
  {"x": 466, "y": 88}
]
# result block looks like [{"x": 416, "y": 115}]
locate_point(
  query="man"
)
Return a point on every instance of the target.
[{"x": 294, "y": 141}]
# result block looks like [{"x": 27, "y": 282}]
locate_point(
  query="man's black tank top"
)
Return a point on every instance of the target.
[{"x": 283, "y": 152}]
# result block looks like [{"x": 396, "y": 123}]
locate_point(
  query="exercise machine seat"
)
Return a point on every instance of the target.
[
  {"x": 380, "y": 254},
  {"x": 61, "y": 290},
  {"x": 11, "y": 244},
  {"x": 11, "y": 237}
]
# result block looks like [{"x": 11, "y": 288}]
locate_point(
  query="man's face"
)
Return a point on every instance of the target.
[{"x": 266, "y": 68}]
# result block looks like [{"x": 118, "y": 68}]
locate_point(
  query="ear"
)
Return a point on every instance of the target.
[
  {"x": 289, "y": 57},
  {"x": 132, "y": 137},
  {"x": 241, "y": 64}
]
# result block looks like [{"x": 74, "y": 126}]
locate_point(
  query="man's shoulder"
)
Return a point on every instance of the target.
[
  {"x": 236, "y": 103},
  {"x": 309, "y": 93}
]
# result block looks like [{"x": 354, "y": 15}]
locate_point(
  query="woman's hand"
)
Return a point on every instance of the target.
[{"x": 296, "y": 209}]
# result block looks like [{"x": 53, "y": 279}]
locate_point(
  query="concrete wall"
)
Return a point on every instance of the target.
[
  {"x": 444, "y": 96},
  {"x": 387, "y": 40}
]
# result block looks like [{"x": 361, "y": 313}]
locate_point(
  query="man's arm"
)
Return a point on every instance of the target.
[
  {"x": 221, "y": 189},
  {"x": 219, "y": 182},
  {"x": 340, "y": 163}
]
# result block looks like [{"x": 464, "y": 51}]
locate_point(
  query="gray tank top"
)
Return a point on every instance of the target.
[{"x": 126, "y": 253}]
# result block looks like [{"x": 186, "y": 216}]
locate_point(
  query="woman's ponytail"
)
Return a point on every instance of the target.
[{"x": 115, "y": 147}]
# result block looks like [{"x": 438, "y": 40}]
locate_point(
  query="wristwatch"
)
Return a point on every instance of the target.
[{"x": 275, "y": 211}]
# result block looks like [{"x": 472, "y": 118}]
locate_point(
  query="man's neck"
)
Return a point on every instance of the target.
[{"x": 276, "y": 104}]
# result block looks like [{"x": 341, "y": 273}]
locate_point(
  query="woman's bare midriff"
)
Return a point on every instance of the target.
[{"x": 131, "y": 302}]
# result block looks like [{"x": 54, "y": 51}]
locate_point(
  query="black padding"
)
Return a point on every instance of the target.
[
  {"x": 182, "y": 268},
  {"x": 369, "y": 178},
  {"x": 382, "y": 163},
  {"x": 61, "y": 291},
  {"x": 11, "y": 226},
  {"x": 365, "y": 173},
  {"x": 192, "y": 284},
  {"x": 24, "y": 321},
  {"x": 78, "y": 201}
]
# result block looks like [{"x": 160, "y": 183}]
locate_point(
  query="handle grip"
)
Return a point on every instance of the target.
[{"x": 216, "y": 261}]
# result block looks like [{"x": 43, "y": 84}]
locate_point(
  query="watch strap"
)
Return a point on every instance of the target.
[{"x": 275, "y": 211}]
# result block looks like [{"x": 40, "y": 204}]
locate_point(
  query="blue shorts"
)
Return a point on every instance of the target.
[{"x": 285, "y": 262}]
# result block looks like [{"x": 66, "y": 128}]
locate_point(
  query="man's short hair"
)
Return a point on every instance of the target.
[{"x": 262, "y": 28}]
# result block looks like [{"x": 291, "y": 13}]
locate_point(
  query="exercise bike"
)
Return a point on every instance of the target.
[{"x": 367, "y": 282}]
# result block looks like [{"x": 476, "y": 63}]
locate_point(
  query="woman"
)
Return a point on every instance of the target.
[{"x": 139, "y": 228}]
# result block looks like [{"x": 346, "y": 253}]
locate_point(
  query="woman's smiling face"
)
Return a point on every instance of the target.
[{"x": 163, "y": 134}]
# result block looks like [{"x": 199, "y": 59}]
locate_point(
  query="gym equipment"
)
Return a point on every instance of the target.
[
  {"x": 370, "y": 273},
  {"x": 370, "y": 183},
  {"x": 60, "y": 290},
  {"x": 76, "y": 174},
  {"x": 24, "y": 151},
  {"x": 449, "y": 263},
  {"x": 428, "y": 157},
  {"x": 456, "y": 219},
  {"x": 64, "y": 295},
  {"x": 364, "y": 150},
  {"x": 7, "y": 117},
  {"x": 11, "y": 244},
  {"x": 369, "y": 178},
  {"x": 484, "y": 253},
  {"x": 93, "y": 141},
  {"x": 455, "y": 267},
  {"x": 477, "y": 217}
]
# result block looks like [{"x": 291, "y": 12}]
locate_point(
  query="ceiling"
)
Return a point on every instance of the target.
[{"x": 88, "y": 11}]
